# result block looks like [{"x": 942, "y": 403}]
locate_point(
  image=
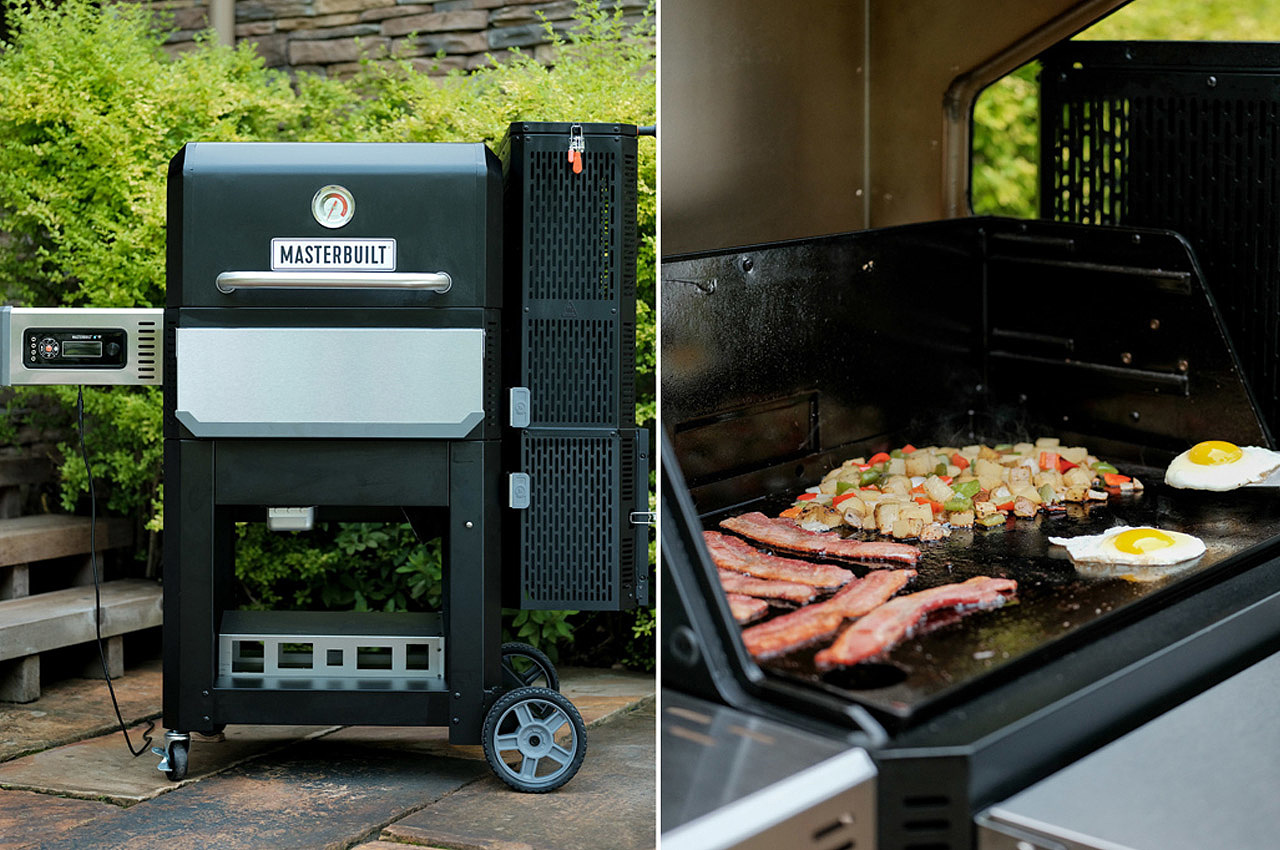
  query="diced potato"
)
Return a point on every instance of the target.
[
  {"x": 855, "y": 461},
  {"x": 1026, "y": 491},
  {"x": 886, "y": 516},
  {"x": 1019, "y": 476},
  {"x": 1023, "y": 448},
  {"x": 1137, "y": 486},
  {"x": 920, "y": 463},
  {"x": 897, "y": 466},
  {"x": 1075, "y": 493},
  {"x": 914, "y": 511},
  {"x": 1023, "y": 506},
  {"x": 828, "y": 486},
  {"x": 871, "y": 497},
  {"x": 961, "y": 519},
  {"x": 953, "y": 470},
  {"x": 907, "y": 528},
  {"x": 900, "y": 484},
  {"x": 812, "y": 512},
  {"x": 1001, "y": 494},
  {"x": 1073, "y": 454},
  {"x": 970, "y": 452},
  {"x": 935, "y": 488},
  {"x": 1078, "y": 477},
  {"x": 989, "y": 473},
  {"x": 984, "y": 509},
  {"x": 934, "y": 531},
  {"x": 869, "y": 522},
  {"x": 850, "y": 475},
  {"x": 1096, "y": 495},
  {"x": 987, "y": 453},
  {"x": 853, "y": 509},
  {"x": 1047, "y": 442},
  {"x": 1052, "y": 477}
]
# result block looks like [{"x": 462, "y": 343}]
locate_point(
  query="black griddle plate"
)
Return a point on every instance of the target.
[{"x": 1057, "y": 604}]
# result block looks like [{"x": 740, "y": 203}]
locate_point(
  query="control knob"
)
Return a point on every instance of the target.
[{"x": 49, "y": 348}]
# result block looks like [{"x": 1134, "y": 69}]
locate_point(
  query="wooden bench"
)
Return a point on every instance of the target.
[{"x": 30, "y": 625}]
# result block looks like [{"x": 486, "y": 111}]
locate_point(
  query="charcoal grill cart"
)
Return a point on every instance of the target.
[
  {"x": 341, "y": 343},
  {"x": 828, "y": 293}
]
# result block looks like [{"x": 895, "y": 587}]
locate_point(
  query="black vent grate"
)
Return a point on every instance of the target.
[
  {"x": 567, "y": 536},
  {"x": 571, "y": 370},
  {"x": 1132, "y": 135},
  {"x": 562, "y": 207}
]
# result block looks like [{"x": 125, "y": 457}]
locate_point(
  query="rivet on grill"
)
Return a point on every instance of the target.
[
  {"x": 1137, "y": 239},
  {"x": 1155, "y": 324},
  {"x": 1126, "y": 358},
  {"x": 1183, "y": 365},
  {"x": 468, "y": 523},
  {"x": 1135, "y": 415},
  {"x": 1212, "y": 81},
  {"x": 748, "y": 264}
]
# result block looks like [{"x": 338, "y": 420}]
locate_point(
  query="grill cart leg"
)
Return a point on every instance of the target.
[
  {"x": 534, "y": 739},
  {"x": 527, "y": 666},
  {"x": 173, "y": 755}
]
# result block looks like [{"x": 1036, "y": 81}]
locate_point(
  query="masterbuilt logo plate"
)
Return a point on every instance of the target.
[{"x": 374, "y": 255}]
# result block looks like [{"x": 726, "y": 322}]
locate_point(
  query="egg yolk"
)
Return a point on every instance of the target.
[
  {"x": 1136, "y": 541},
  {"x": 1214, "y": 452}
]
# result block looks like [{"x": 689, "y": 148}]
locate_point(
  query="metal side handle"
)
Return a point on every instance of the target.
[{"x": 429, "y": 281}]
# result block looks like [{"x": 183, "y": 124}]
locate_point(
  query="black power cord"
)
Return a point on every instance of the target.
[{"x": 97, "y": 587}]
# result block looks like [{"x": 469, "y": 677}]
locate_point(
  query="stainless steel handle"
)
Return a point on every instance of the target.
[{"x": 430, "y": 281}]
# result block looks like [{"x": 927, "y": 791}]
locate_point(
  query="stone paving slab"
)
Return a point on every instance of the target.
[
  {"x": 610, "y": 803},
  {"x": 26, "y": 818},
  {"x": 101, "y": 768},
  {"x": 314, "y": 795},
  {"x": 75, "y": 709}
]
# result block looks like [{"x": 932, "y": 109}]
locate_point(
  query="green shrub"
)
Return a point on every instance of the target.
[{"x": 91, "y": 111}]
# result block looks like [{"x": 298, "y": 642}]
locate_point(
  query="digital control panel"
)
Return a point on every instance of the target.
[
  {"x": 78, "y": 348},
  {"x": 91, "y": 346}
]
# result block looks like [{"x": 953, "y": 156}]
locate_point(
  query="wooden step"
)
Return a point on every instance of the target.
[
  {"x": 65, "y": 617},
  {"x": 44, "y": 536}
]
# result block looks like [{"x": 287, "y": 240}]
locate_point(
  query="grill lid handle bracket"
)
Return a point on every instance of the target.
[{"x": 229, "y": 282}]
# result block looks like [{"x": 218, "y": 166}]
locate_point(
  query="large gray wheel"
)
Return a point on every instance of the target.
[
  {"x": 526, "y": 666},
  {"x": 534, "y": 739}
]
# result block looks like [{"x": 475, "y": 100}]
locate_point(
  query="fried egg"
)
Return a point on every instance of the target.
[
  {"x": 1139, "y": 547},
  {"x": 1219, "y": 465}
]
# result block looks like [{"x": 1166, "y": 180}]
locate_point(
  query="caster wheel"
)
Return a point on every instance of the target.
[
  {"x": 534, "y": 739},
  {"x": 527, "y": 666},
  {"x": 174, "y": 764}
]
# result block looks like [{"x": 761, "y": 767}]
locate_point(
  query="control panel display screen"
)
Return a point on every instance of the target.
[{"x": 77, "y": 348}]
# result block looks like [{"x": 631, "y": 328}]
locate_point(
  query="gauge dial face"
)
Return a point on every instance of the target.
[{"x": 333, "y": 206}]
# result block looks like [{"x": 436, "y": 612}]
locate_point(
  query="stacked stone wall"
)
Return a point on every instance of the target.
[{"x": 330, "y": 36}]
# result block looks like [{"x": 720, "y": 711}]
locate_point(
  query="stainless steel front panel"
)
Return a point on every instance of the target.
[{"x": 327, "y": 382}]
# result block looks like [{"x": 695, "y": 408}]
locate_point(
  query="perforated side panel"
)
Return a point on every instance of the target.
[
  {"x": 572, "y": 365},
  {"x": 1179, "y": 136},
  {"x": 570, "y": 543},
  {"x": 571, "y": 216}
]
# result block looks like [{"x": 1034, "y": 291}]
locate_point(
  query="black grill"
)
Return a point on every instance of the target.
[{"x": 1184, "y": 136}]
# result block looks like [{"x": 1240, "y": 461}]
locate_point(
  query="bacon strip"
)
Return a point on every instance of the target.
[
  {"x": 730, "y": 553},
  {"x": 893, "y": 621},
  {"x": 745, "y": 609},
  {"x": 818, "y": 622},
  {"x": 760, "y": 588},
  {"x": 784, "y": 534}
]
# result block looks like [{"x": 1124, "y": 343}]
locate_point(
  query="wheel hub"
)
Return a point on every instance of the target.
[{"x": 535, "y": 740}]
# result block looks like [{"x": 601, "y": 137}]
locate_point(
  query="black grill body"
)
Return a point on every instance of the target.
[
  {"x": 1183, "y": 136},
  {"x": 356, "y": 369},
  {"x": 571, "y": 251}
]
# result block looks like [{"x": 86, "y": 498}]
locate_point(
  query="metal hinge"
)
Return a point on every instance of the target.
[
  {"x": 519, "y": 407},
  {"x": 518, "y": 490},
  {"x": 643, "y": 518}
]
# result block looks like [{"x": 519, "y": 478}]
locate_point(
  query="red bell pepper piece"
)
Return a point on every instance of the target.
[
  {"x": 1049, "y": 460},
  {"x": 791, "y": 513},
  {"x": 1114, "y": 480},
  {"x": 806, "y": 497},
  {"x": 960, "y": 460},
  {"x": 1007, "y": 506},
  {"x": 878, "y": 458},
  {"x": 1064, "y": 464},
  {"x": 908, "y": 449}
]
